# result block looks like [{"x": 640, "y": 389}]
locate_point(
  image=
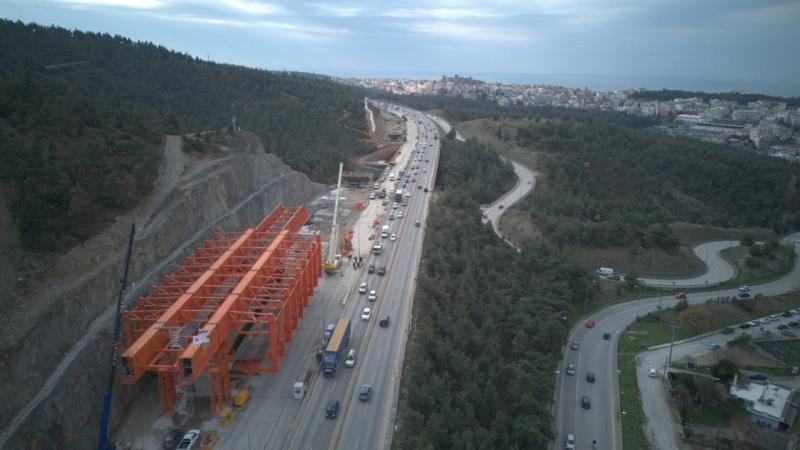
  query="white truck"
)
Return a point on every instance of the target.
[
  {"x": 377, "y": 248},
  {"x": 385, "y": 231},
  {"x": 605, "y": 271}
]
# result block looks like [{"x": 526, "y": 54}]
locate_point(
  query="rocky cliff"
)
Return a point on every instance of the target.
[{"x": 55, "y": 364}]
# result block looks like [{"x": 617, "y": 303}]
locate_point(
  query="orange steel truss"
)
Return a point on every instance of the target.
[{"x": 234, "y": 302}]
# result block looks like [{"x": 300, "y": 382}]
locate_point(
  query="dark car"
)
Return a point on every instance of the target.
[
  {"x": 787, "y": 314},
  {"x": 574, "y": 345},
  {"x": 727, "y": 330},
  {"x": 171, "y": 439},
  {"x": 425, "y": 190},
  {"x": 793, "y": 323},
  {"x": 332, "y": 410},
  {"x": 606, "y": 335},
  {"x": 586, "y": 402},
  {"x": 500, "y": 206},
  {"x": 364, "y": 392},
  {"x": 756, "y": 376},
  {"x": 789, "y": 333},
  {"x": 744, "y": 326},
  {"x": 382, "y": 270},
  {"x": 371, "y": 268},
  {"x": 384, "y": 322},
  {"x": 783, "y": 327},
  {"x": 419, "y": 186},
  {"x": 590, "y": 377},
  {"x": 743, "y": 295}
]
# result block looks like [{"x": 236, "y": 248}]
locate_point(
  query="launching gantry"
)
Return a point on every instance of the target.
[{"x": 234, "y": 302}]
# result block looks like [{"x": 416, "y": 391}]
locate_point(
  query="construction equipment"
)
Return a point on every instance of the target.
[
  {"x": 235, "y": 301},
  {"x": 102, "y": 443},
  {"x": 334, "y": 260}
]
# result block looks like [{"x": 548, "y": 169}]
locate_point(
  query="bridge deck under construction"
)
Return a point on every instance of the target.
[{"x": 235, "y": 302}]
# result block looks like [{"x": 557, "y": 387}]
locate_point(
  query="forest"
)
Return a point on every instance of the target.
[
  {"x": 738, "y": 97},
  {"x": 489, "y": 322},
  {"x": 612, "y": 185},
  {"x": 82, "y": 119}
]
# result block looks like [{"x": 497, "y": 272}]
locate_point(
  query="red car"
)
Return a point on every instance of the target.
[
  {"x": 680, "y": 296},
  {"x": 590, "y": 323}
]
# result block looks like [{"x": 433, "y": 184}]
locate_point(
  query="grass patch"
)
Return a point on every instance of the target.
[
  {"x": 709, "y": 416},
  {"x": 691, "y": 234},
  {"x": 738, "y": 255},
  {"x": 787, "y": 351},
  {"x": 630, "y": 401}
]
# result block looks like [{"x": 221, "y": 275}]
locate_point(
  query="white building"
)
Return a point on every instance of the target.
[{"x": 769, "y": 405}]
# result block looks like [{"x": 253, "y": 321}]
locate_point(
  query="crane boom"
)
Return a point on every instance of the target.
[{"x": 333, "y": 263}]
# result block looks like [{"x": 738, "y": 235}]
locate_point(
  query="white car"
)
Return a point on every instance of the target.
[
  {"x": 363, "y": 288},
  {"x": 372, "y": 196},
  {"x": 373, "y": 295},
  {"x": 744, "y": 288},
  {"x": 395, "y": 205},
  {"x": 408, "y": 194},
  {"x": 399, "y": 214},
  {"x": 569, "y": 444},
  {"x": 350, "y": 361},
  {"x": 653, "y": 373},
  {"x": 189, "y": 440},
  {"x": 366, "y": 314},
  {"x": 393, "y": 237}
]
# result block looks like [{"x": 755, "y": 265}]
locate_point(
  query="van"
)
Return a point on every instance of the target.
[
  {"x": 332, "y": 410},
  {"x": 329, "y": 331},
  {"x": 350, "y": 361}
]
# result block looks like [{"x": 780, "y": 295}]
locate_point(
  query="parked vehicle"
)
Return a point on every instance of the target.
[
  {"x": 172, "y": 439},
  {"x": 189, "y": 440},
  {"x": 727, "y": 330}
]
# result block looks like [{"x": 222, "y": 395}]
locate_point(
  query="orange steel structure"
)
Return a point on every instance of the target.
[{"x": 235, "y": 302}]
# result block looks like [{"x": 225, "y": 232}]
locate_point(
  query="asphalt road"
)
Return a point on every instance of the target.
[
  {"x": 718, "y": 270},
  {"x": 369, "y": 425},
  {"x": 525, "y": 184},
  {"x": 601, "y": 422}
]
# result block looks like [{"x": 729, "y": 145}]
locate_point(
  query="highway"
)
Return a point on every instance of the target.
[
  {"x": 602, "y": 421},
  {"x": 369, "y": 425}
]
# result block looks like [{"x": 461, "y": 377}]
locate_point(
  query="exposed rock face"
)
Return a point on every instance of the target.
[{"x": 64, "y": 358}]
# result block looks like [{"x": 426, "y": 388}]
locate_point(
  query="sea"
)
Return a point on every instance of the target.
[{"x": 608, "y": 82}]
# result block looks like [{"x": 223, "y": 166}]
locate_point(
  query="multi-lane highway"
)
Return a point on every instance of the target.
[
  {"x": 369, "y": 425},
  {"x": 601, "y": 421}
]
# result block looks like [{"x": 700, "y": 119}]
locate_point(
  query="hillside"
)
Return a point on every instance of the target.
[{"x": 83, "y": 115}]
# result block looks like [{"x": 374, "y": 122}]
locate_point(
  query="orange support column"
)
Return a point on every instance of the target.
[
  {"x": 219, "y": 378},
  {"x": 273, "y": 343},
  {"x": 167, "y": 393}
]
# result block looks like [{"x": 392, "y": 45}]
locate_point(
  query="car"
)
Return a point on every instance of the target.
[
  {"x": 569, "y": 444},
  {"x": 590, "y": 323},
  {"x": 793, "y": 323},
  {"x": 789, "y": 333},
  {"x": 757, "y": 376},
  {"x": 765, "y": 332},
  {"x": 653, "y": 373},
  {"x": 773, "y": 317},
  {"x": 172, "y": 439},
  {"x": 744, "y": 289},
  {"x": 727, "y": 330},
  {"x": 606, "y": 335},
  {"x": 350, "y": 361},
  {"x": 189, "y": 440},
  {"x": 366, "y": 313},
  {"x": 332, "y": 410},
  {"x": 329, "y": 331},
  {"x": 425, "y": 190},
  {"x": 393, "y": 237},
  {"x": 571, "y": 370},
  {"x": 574, "y": 345},
  {"x": 399, "y": 214},
  {"x": 419, "y": 186},
  {"x": 753, "y": 323},
  {"x": 586, "y": 402},
  {"x": 363, "y": 288},
  {"x": 371, "y": 268},
  {"x": 416, "y": 224},
  {"x": 745, "y": 325},
  {"x": 372, "y": 196},
  {"x": 763, "y": 320},
  {"x": 743, "y": 295},
  {"x": 382, "y": 270},
  {"x": 714, "y": 347},
  {"x": 500, "y": 206},
  {"x": 384, "y": 322},
  {"x": 395, "y": 205},
  {"x": 391, "y": 216},
  {"x": 405, "y": 203},
  {"x": 783, "y": 326},
  {"x": 364, "y": 392},
  {"x": 384, "y": 202},
  {"x": 590, "y": 377},
  {"x": 680, "y": 296},
  {"x": 373, "y": 295},
  {"x": 407, "y": 194}
]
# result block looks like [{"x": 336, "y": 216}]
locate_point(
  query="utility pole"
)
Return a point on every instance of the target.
[{"x": 673, "y": 326}]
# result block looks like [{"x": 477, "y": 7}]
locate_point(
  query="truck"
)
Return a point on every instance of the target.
[
  {"x": 398, "y": 196},
  {"x": 377, "y": 248},
  {"x": 336, "y": 347},
  {"x": 605, "y": 271},
  {"x": 385, "y": 231}
]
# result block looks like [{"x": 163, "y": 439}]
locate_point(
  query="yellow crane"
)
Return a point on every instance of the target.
[{"x": 334, "y": 259}]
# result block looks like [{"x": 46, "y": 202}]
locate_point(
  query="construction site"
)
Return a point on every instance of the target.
[{"x": 227, "y": 341}]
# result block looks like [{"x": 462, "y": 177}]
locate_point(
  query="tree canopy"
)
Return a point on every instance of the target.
[{"x": 82, "y": 117}]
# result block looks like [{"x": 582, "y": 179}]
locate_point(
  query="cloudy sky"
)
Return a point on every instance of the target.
[{"x": 752, "y": 42}]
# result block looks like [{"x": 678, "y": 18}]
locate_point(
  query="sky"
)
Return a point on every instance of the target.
[{"x": 729, "y": 44}]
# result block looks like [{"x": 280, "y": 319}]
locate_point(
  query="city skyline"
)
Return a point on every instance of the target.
[{"x": 736, "y": 45}]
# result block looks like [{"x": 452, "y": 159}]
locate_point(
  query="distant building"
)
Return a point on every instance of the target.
[
  {"x": 689, "y": 118},
  {"x": 747, "y": 115},
  {"x": 768, "y": 405}
]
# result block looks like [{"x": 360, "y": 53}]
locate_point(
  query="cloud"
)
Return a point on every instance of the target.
[
  {"x": 134, "y": 4},
  {"x": 441, "y": 13},
  {"x": 458, "y": 31},
  {"x": 290, "y": 30},
  {"x": 255, "y": 7},
  {"x": 340, "y": 10}
]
